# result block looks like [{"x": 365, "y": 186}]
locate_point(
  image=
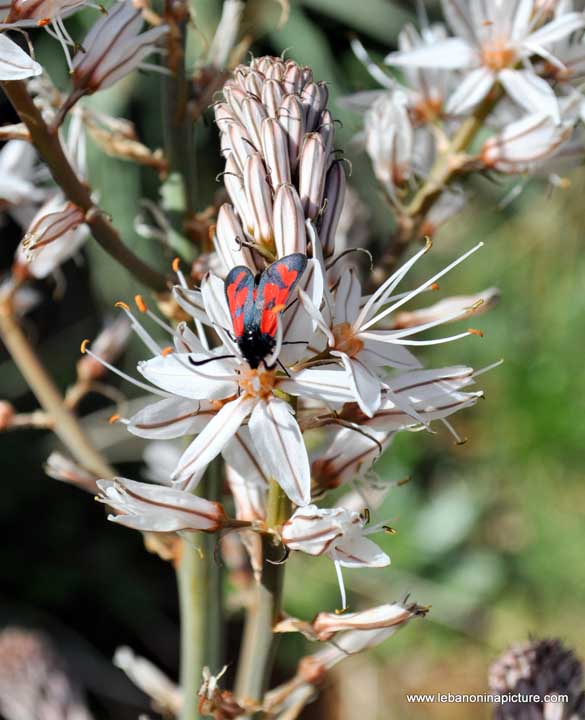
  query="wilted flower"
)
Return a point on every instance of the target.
[
  {"x": 15, "y": 64},
  {"x": 153, "y": 508},
  {"x": 492, "y": 39},
  {"x": 213, "y": 701},
  {"x": 338, "y": 533}
]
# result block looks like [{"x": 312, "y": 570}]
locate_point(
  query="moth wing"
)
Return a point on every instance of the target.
[
  {"x": 239, "y": 291},
  {"x": 274, "y": 290}
]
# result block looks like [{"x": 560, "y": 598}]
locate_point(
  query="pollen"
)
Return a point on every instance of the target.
[
  {"x": 167, "y": 351},
  {"x": 175, "y": 265},
  {"x": 140, "y": 304},
  {"x": 113, "y": 419},
  {"x": 84, "y": 345},
  {"x": 345, "y": 340},
  {"x": 473, "y": 331},
  {"x": 43, "y": 22},
  {"x": 257, "y": 383},
  {"x": 498, "y": 55}
]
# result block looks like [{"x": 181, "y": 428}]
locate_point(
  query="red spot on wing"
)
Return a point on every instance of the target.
[
  {"x": 288, "y": 276},
  {"x": 237, "y": 299}
]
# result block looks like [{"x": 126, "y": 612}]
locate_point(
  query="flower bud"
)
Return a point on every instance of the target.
[{"x": 156, "y": 508}]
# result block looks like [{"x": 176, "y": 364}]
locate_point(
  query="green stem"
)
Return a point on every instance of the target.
[
  {"x": 177, "y": 122},
  {"x": 199, "y": 581},
  {"x": 445, "y": 168},
  {"x": 259, "y": 642},
  {"x": 49, "y": 146}
]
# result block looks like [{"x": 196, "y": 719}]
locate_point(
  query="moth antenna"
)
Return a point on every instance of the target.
[{"x": 198, "y": 363}]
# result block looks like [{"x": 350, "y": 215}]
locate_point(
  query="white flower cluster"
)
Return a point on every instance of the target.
[
  {"x": 515, "y": 66},
  {"x": 326, "y": 361}
]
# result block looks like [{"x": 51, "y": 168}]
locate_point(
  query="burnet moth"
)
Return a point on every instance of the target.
[{"x": 255, "y": 304}]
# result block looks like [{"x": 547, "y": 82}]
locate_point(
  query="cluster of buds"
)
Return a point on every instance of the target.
[{"x": 516, "y": 68}]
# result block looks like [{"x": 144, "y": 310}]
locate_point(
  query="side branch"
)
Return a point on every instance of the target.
[
  {"x": 50, "y": 149},
  {"x": 66, "y": 425}
]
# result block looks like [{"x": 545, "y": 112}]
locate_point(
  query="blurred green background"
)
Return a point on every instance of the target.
[{"x": 491, "y": 533}]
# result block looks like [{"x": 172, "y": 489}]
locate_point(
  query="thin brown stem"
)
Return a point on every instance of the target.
[
  {"x": 49, "y": 146},
  {"x": 66, "y": 425}
]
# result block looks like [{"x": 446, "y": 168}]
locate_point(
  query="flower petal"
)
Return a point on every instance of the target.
[
  {"x": 471, "y": 91},
  {"x": 365, "y": 385},
  {"x": 327, "y": 383},
  {"x": 360, "y": 552},
  {"x": 15, "y": 64},
  {"x": 530, "y": 92},
  {"x": 450, "y": 54},
  {"x": 171, "y": 418},
  {"x": 246, "y": 477},
  {"x": 174, "y": 373},
  {"x": 281, "y": 450},
  {"x": 156, "y": 508},
  {"x": 212, "y": 440}
]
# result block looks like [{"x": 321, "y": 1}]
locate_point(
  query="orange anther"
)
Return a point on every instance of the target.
[
  {"x": 473, "y": 331},
  {"x": 113, "y": 419},
  {"x": 43, "y": 22},
  {"x": 211, "y": 232},
  {"x": 435, "y": 286},
  {"x": 121, "y": 305},
  {"x": 140, "y": 304},
  {"x": 167, "y": 351},
  {"x": 84, "y": 345},
  {"x": 176, "y": 264}
]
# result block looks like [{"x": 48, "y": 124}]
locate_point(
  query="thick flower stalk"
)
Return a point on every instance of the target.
[{"x": 271, "y": 358}]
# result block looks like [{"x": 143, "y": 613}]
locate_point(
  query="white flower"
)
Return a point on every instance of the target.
[
  {"x": 15, "y": 64},
  {"x": 155, "y": 508},
  {"x": 493, "y": 38},
  {"x": 215, "y": 392},
  {"x": 348, "y": 324},
  {"x": 338, "y": 533},
  {"x": 409, "y": 401}
]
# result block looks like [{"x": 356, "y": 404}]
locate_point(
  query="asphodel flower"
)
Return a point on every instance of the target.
[
  {"x": 154, "y": 508},
  {"x": 340, "y": 534},
  {"x": 494, "y": 42}
]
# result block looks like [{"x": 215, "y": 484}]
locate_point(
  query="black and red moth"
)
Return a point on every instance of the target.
[{"x": 256, "y": 303}]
